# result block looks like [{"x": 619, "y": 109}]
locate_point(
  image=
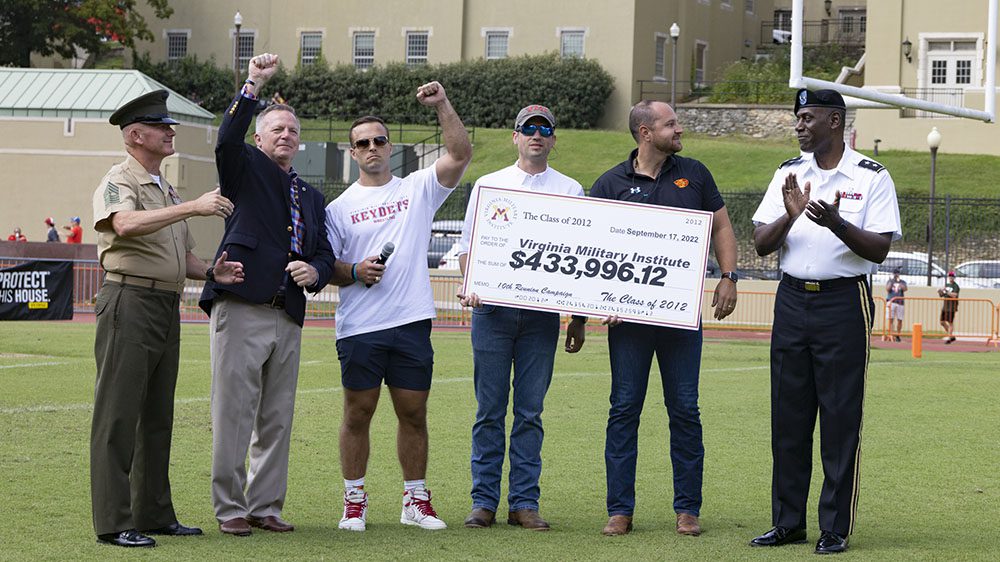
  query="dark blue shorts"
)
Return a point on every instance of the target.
[{"x": 401, "y": 356}]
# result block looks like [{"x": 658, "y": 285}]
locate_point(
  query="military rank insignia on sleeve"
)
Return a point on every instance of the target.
[{"x": 111, "y": 194}]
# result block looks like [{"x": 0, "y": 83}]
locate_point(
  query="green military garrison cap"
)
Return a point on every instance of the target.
[{"x": 148, "y": 108}]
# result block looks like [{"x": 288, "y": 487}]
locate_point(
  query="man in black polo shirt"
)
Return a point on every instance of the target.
[{"x": 655, "y": 175}]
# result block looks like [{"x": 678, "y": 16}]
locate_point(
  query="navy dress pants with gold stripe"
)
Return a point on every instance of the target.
[{"x": 819, "y": 363}]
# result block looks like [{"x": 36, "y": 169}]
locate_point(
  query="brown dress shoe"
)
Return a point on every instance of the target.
[
  {"x": 236, "y": 526},
  {"x": 527, "y": 518},
  {"x": 480, "y": 518},
  {"x": 271, "y": 523},
  {"x": 687, "y": 524},
  {"x": 618, "y": 525}
]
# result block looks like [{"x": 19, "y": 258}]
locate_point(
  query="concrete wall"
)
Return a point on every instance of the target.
[
  {"x": 619, "y": 35},
  {"x": 890, "y": 22},
  {"x": 51, "y": 167}
]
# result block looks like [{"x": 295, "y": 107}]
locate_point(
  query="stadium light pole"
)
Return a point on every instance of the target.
[
  {"x": 237, "y": 22},
  {"x": 933, "y": 141},
  {"x": 675, "y": 32}
]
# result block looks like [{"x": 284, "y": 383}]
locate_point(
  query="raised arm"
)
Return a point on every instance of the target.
[{"x": 451, "y": 166}]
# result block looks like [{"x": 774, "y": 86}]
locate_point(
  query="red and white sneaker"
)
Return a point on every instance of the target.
[
  {"x": 417, "y": 510},
  {"x": 355, "y": 510}
]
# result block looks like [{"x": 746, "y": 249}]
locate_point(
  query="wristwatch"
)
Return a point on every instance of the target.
[
  {"x": 210, "y": 273},
  {"x": 731, "y": 275}
]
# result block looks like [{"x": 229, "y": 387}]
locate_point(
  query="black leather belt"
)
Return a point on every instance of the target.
[
  {"x": 819, "y": 286},
  {"x": 277, "y": 301}
]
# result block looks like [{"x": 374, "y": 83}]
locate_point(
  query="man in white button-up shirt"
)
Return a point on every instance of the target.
[
  {"x": 822, "y": 315},
  {"x": 503, "y": 336}
]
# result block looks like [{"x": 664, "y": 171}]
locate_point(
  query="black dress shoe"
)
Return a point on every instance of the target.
[
  {"x": 780, "y": 536},
  {"x": 174, "y": 529},
  {"x": 831, "y": 543},
  {"x": 129, "y": 538}
]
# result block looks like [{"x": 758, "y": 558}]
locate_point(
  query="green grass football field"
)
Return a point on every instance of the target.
[{"x": 930, "y": 484}]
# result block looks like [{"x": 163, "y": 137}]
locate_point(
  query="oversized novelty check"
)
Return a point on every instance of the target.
[{"x": 595, "y": 257}]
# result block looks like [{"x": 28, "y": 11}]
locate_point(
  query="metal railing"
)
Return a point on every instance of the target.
[
  {"x": 848, "y": 32},
  {"x": 752, "y": 92},
  {"x": 949, "y": 96},
  {"x": 976, "y": 319}
]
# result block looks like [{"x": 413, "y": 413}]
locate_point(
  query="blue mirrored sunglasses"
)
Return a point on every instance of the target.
[{"x": 529, "y": 130}]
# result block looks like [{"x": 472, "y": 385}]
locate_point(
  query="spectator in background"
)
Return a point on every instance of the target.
[
  {"x": 52, "y": 235},
  {"x": 17, "y": 236},
  {"x": 895, "y": 289},
  {"x": 950, "y": 294},
  {"x": 75, "y": 235}
]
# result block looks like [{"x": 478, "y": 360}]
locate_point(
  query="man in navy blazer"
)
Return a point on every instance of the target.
[{"x": 277, "y": 231}]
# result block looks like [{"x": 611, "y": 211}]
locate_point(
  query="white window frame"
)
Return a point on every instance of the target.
[
  {"x": 411, "y": 58},
  {"x": 303, "y": 59},
  {"x": 750, "y": 7},
  {"x": 363, "y": 62},
  {"x": 244, "y": 61},
  {"x": 704, "y": 63},
  {"x": 563, "y": 32},
  {"x": 168, "y": 33},
  {"x": 924, "y": 58},
  {"x": 661, "y": 52},
  {"x": 488, "y": 32}
]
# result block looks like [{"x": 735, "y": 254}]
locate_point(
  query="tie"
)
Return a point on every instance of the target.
[{"x": 298, "y": 227}]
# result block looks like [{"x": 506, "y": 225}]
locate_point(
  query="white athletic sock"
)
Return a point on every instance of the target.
[
  {"x": 410, "y": 485},
  {"x": 354, "y": 484}
]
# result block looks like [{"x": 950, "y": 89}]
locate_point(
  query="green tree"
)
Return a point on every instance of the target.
[{"x": 60, "y": 27}]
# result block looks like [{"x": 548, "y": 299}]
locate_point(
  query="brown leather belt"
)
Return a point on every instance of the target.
[{"x": 144, "y": 282}]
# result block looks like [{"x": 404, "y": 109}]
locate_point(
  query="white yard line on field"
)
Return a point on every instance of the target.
[{"x": 37, "y": 408}]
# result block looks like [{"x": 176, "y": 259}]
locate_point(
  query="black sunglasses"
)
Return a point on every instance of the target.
[
  {"x": 529, "y": 130},
  {"x": 380, "y": 140}
]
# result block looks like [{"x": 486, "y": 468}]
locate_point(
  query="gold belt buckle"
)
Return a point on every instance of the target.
[{"x": 812, "y": 286}]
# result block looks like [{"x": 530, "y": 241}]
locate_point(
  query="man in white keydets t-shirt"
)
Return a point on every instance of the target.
[{"x": 385, "y": 311}]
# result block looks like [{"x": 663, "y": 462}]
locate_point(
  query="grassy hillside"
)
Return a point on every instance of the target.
[{"x": 738, "y": 163}]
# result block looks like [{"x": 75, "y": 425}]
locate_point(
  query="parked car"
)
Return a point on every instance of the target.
[
  {"x": 984, "y": 274},
  {"x": 450, "y": 259},
  {"x": 444, "y": 234},
  {"x": 912, "y": 269}
]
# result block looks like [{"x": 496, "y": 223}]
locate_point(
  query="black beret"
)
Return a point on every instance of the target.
[
  {"x": 148, "y": 108},
  {"x": 819, "y": 98}
]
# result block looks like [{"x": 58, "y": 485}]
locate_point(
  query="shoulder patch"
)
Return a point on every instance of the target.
[
  {"x": 112, "y": 195},
  {"x": 790, "y": 161},
  {"x": 871, "y": 165}
]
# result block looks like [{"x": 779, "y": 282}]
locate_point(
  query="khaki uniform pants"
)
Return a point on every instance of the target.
[{"x": 255, "y": 368}]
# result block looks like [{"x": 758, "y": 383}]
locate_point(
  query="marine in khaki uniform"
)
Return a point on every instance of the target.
[{"x": 145, "y": 248}]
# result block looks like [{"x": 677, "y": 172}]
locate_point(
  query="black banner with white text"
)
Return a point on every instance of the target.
[{"x": 37, "y": 291}]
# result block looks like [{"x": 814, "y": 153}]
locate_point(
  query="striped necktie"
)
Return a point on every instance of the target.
[{"x": 298, "y": 227}]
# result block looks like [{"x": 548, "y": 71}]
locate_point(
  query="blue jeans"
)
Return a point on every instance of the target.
[
  {"x": 678, "y": 352},
  {"x": 527, "y": 338}
]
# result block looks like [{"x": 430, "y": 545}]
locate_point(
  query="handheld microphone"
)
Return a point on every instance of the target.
[{"x": 387, "y": 251}]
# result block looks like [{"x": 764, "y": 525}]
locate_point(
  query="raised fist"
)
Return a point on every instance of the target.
[{"x": 262, "y": 67}]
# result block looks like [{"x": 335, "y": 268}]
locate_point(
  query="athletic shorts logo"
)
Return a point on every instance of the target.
[
  {"x": 681, "y": 183},
  {"x": 500, "y": 213}
]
